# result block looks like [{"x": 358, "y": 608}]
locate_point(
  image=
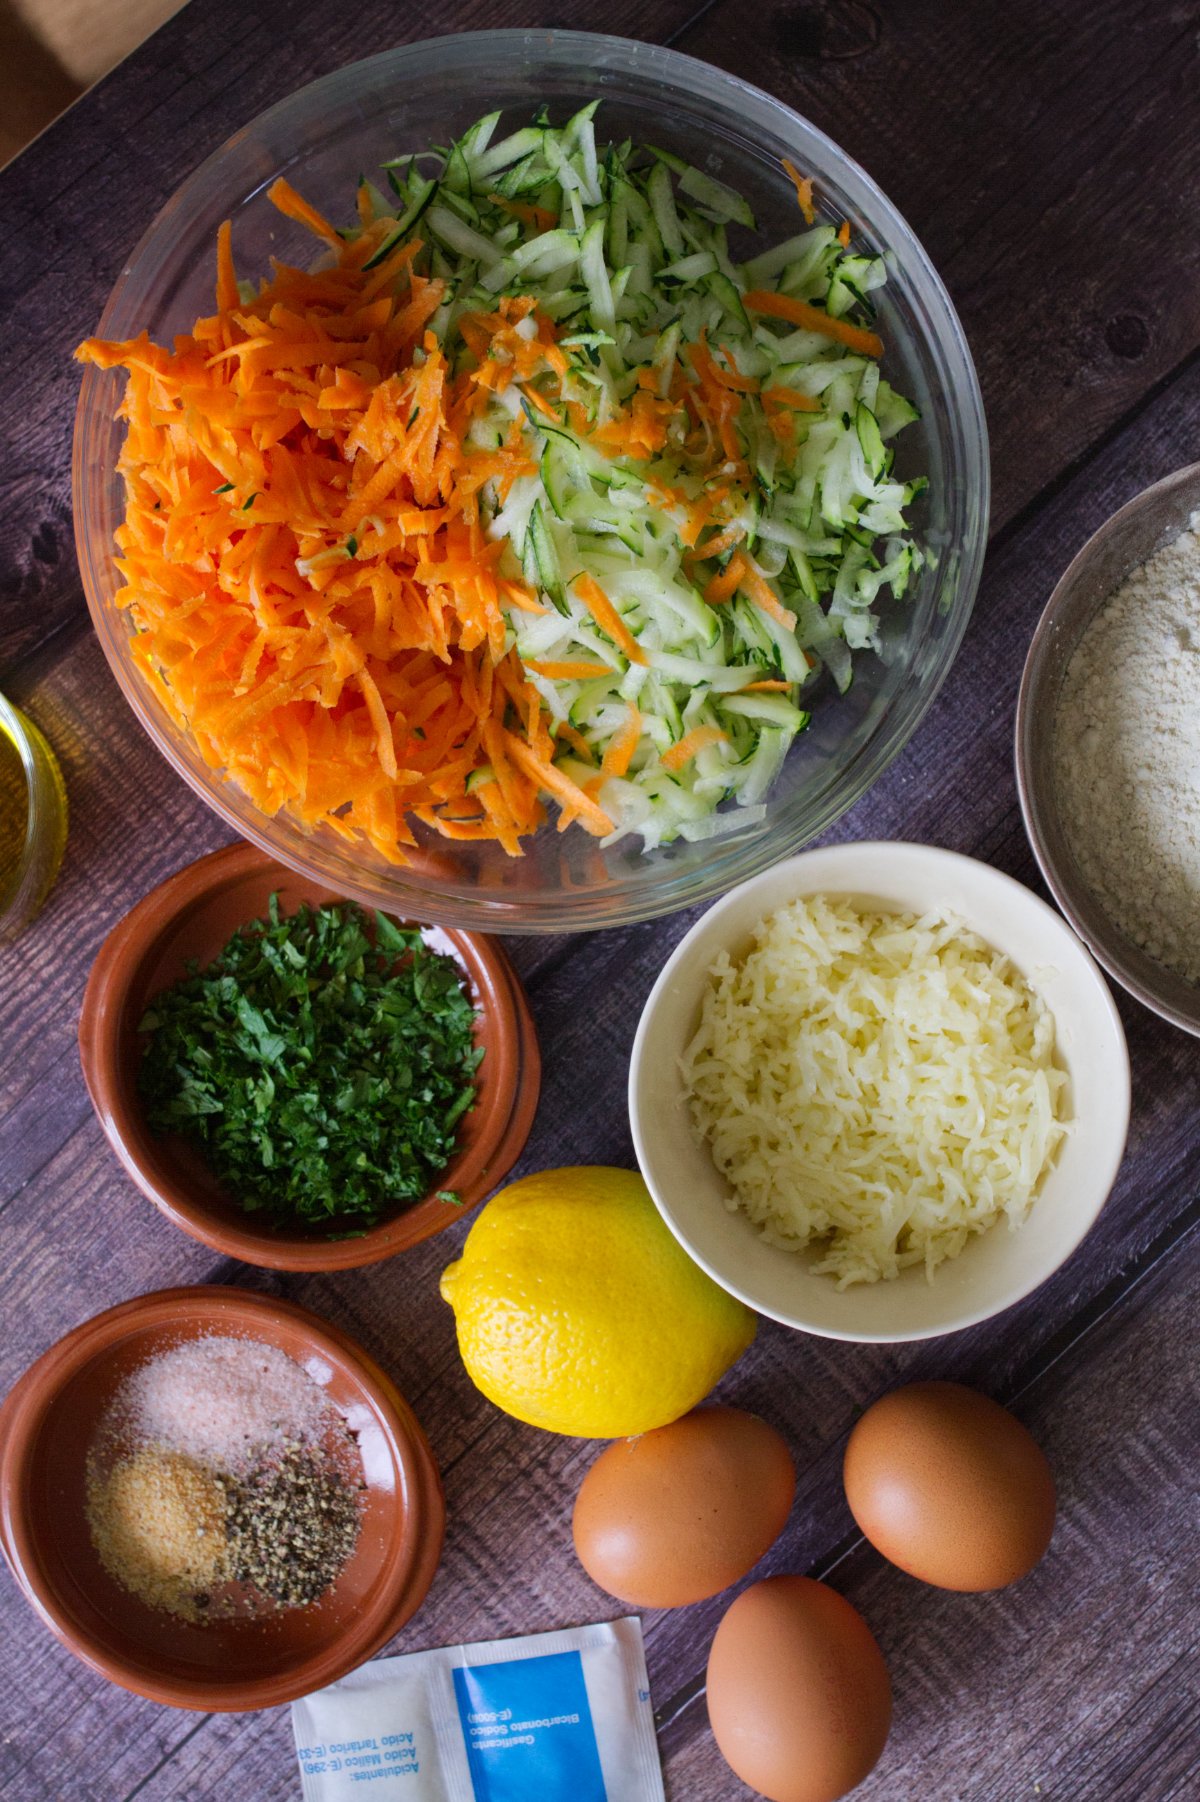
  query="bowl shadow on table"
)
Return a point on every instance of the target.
[{"x": 188, "y": 919}]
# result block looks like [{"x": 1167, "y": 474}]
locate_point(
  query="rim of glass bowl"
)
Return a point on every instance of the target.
[{"x": 623, "y": 69}]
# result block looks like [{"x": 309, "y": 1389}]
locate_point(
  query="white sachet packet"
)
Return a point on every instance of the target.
[{"x": 563, "y": 1717}]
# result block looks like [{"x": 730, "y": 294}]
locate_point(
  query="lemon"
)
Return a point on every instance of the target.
[{"x": 578, "y": 1311}]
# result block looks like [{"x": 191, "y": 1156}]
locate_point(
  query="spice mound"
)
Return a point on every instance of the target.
[
  {"x": 1127, "y": 755},
  {"x": 322, "y": 1063},
  {"x": 158, "y": 1523},
  {"x": 223, "y": 1483}
]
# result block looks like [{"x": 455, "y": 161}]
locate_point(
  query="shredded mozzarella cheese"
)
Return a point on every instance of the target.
[{"x": 876, "y": 1086}]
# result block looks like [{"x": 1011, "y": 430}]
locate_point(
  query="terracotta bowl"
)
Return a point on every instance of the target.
[
  {"x": 193, "y": 915},
  {"x": 47, "y": 1425}
]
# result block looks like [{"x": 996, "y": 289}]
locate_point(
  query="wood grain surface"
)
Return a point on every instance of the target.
[{"x": 1048, "y": 157}]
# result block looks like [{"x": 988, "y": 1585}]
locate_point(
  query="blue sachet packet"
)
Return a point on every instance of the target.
[{"x": 563, "y": 1716}]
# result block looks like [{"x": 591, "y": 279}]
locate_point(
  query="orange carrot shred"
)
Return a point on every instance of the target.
[
  {"x": 687, "y": 747},
  {"x": 724, "y": 585},
  {"x": 294, "y": 206},
  {"x": 844, "y": 234},
  {"x": 790, "y": 397},
  {"x": 539, "y": 401},
  {"x": 549, "y": 777},
  {"x": 812, "y": 319},
  {"x": 539, "y": 217},
  {"x": 302, "y": 554},
  {"x": 716, "y": 547},
  {"x": 623, "y": 744},
  {"x": 568, "y": 671},
  {"x": 732, "y": 376},
  {"x": 227, "y": 288},
  {"x": 751, "y": 578},
  {"x": 576, "y": 740},
  {"x": 607, "y": 617},
  {"x": 804, "y": 191}
]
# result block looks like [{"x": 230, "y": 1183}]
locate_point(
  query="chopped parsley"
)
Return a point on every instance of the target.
[{"x": 323, "y": 1062}]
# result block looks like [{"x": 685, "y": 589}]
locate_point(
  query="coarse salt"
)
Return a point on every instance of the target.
[{"x": 222, "y": 1401}]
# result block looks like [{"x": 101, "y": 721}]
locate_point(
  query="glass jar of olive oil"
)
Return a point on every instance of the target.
[{"x": 33, "y": 819}]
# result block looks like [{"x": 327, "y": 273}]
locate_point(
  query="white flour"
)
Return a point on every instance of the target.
[{"x": 1127, "y": 755}]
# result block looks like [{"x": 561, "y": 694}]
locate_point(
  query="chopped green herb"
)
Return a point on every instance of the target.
[
  {"x": 323, "y": 1062},
  {"x": 246, "y": 505},
  {"x": 225, "y": 488}
]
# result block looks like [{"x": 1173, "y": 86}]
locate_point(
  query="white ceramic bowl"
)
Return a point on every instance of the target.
[{"x": 996, "y": 1268}]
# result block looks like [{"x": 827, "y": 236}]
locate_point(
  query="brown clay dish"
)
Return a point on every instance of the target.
[
  {"x": 47, "y": 1424},
  {"x": 193, "y": 915}
]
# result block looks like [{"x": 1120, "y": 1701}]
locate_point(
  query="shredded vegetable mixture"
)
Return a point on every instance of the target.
[
  {"x": 530, "y": 492},
  {"x": 876, "y": 1086}
]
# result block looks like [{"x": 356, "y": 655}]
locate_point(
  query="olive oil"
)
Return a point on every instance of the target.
[
  {"x": 14, "y": 811},
  {"x": 33, "y": 819}
]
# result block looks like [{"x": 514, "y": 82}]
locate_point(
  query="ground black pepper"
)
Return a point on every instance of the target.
[{"x": 291, "y": 1525}]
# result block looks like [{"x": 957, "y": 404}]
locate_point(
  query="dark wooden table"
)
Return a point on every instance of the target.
[{"x": 1048, "y": 155}]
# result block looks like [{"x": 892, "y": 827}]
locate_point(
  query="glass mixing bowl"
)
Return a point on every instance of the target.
[{"x": 322, "y": 138}]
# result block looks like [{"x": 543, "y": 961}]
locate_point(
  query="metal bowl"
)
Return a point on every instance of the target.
[{"x": 1142, "y": 527}]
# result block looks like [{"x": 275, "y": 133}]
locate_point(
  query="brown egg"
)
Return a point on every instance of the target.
[
  {"x": 946, "y": 1484},
  {"x": 798, "y": 1693},
  {"x": 683, "y": 1512}
]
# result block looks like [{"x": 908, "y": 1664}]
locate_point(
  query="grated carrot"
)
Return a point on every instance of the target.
[
  {"x": 294, "y": 206},
  {"x": 623, "y": 744},
  {"x": 540, "y": 217},
  {"x": 557, "y": 783},
  {"x": 725, "y": 585},
  {"x": 812, "y": 319},
  {"x": 576, "y": 740},
  {"x": 568, "y": 671},
  {"x": 687, "y": 747},
  {"x": 716, "y": 399},
  {"x": 303, "y": 558},
  {"x": 804, "y": 191},
  {"x": 228, "y": 296},
  {"x": 790, "y": 397},
  {"x": 717, "y": 546},
  {"x": 751, "y": 578},
  {"x": 607, "y": 617},
  {"x": 732, "y": 377}
]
